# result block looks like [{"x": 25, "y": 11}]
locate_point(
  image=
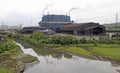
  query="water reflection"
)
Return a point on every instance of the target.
[
  {"x": 45, "y": 51},
  {"x": 52, "y": 61},
  {"x": 49, "y": 52},
  {"x": 49, "y": 64}
]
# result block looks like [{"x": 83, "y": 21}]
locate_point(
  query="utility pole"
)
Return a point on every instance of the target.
[
  {"x": 2, "y": 25},
  {"x": 116, "y": 18}
]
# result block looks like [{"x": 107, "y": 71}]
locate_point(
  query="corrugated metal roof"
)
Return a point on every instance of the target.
[
  {"x": 91, "y": 27},
  {"x": 80, "y": 24},
  {"x": 72, "y": 25}
]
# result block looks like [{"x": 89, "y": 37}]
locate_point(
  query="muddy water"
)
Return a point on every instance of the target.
[{"x": 60, "y": 63}]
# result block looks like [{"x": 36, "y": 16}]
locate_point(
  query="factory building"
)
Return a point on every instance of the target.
[
  {"x": 55, "y": 22},
  {"x": 63, "y": 24},
  {"x": 31, "y": 29},
  {"x": 83, "y": 29}
]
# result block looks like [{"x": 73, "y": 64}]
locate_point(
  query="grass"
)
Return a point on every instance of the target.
[
  {"x": 5, "y": 70},
  {"x": 6, "y": 58},
  {"x": 76, "y": 50},
  {"x": 10, "y": 51},
  {"x": 111, "y": 51},
  {"x": 28, "y": 59}
]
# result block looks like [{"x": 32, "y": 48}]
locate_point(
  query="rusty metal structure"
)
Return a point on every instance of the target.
[{"x": 83, "y": 29}]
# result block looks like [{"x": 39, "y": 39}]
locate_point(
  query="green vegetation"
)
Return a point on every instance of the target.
[
  {"x": 10, "y": 56},
  {"x": 28, "y": 59},
  {"x": 106, "y": 48},
  {"x": 5, "y": 70},
  {"x": 8, "y": 46},
  {"x": 45, "y": 49},
  {"x": 108, "y": 51},
  {"x": 40, "y": 38},
  {"x": 8, "y": 51},
  {"x": 76, "y": 50}
]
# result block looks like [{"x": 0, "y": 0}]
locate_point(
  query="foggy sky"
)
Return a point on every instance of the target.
[{"x": 27, "y": 12}]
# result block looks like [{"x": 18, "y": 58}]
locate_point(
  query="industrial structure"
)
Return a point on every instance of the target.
[
  {"x": 63, "y": 24},
  {"x": 55, "y": 22},
  {"x": 31, "y": 29},
  {"x": 83, "y": 29}
]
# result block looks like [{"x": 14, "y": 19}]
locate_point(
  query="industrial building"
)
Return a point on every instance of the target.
[
  {"x": 63, "y": 24},
  {"x": 83, "y": 29},
  {"x": 55, "y": 22},
  {"x": 31, "y": 29}
]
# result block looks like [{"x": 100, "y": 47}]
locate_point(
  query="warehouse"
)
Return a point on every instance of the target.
[
  {"x": 83, "y": 29},
  {"x": 31, "y": 29}
]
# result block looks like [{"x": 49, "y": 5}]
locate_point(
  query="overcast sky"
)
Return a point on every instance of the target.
[{"x": 27, "y": 12}]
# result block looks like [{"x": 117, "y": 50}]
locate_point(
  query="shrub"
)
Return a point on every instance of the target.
[
  {"x": 6, "y": 45},
  {"x": 39, "y": 38},
  {"x": 56, "y": 39},
  {"x": 18, "y": 36},
  {"x": 83, "y": 41},
  {"x": 67, "y": 40}
]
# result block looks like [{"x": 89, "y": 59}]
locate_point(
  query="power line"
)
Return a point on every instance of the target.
[
  {"x": 100, "y": 16},
  {"x": 110, "y": 3},
  {"x": 2, "y": 24},
  {"x": 116, "y": 18},
  {"x": 108, "y": 18},
  {"x": 105, "y": 5}
]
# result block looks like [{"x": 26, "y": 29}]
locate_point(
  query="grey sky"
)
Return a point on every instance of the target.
[{"x": 13, "y": 12}]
